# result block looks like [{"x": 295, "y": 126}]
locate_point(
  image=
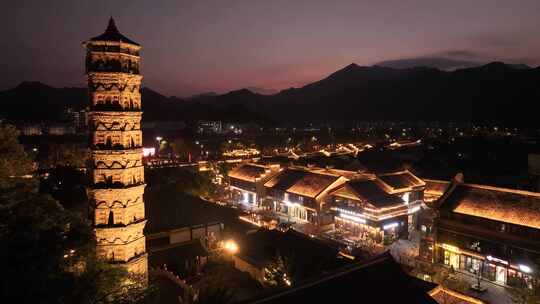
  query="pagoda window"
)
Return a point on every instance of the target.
[
  {"x": 108, "y": 142},
  {"x": 111, "y": 218}
]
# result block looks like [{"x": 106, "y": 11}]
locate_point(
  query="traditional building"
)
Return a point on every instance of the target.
[
  {"x": 363, "y": 208},
  {"x": 117, "y": 171},
  {"x": 300, "y": 194},
  {"x": 434, "y": 190},
  {"x": 410, "y": 188},
  {"x": 490, "y": 231},
  {"x": 247, "y": 183}
]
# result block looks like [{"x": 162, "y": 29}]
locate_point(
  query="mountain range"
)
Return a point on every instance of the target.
[{"x": 491, "y": 93}]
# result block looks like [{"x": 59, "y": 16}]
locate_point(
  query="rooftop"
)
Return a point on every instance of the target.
[
  {"x": 379, "y": 280},
  {"x": 499, "y": 204},
  {"x": 165, "y": 213},
  {"x": 301, "y": 182},
  {"x": 401, "y": 180},
  {"x": 436, "y": 187},
  {"x": 369, "y": 191},
  {"x": 112, "y": 34},
  {"x": 248, "y": 172},
  {"x": 262, "y": 247},
  {"x": 446, "y": 296},
  {"x": 177, "y": 253}
]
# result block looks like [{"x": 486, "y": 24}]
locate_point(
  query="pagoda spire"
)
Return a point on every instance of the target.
[{"x": 111, "y": 28}]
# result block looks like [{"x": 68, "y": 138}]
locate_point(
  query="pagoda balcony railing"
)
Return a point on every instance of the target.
[
  {"x": 133, "y": 258},
  {"x": 121, "y": 225},
  {"x": 116, "y": 185},
  {"x": 115, "y": 147},
  {"x": 114, "y": 107}
]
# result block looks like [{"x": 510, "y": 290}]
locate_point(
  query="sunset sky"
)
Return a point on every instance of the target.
[{"x": 198, "y": 46}]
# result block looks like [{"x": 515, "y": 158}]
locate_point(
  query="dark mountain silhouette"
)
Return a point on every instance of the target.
[
  {"x": 491, "y": 93},
  {"x": 37, "y": 102}
]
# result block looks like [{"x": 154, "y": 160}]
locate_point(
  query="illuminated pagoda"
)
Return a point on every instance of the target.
[{"x": 116, "y": 169}]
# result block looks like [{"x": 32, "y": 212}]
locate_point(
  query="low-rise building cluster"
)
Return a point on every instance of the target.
[{"x": 484, "y": 231}]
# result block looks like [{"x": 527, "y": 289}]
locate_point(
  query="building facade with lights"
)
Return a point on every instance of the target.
[
  {"x": 364, "y": 209},
  {"x": 489, "y": 231},
  {"x": 300, "y": 194},
  {"x": 117, "y": 171},
  {"x": 247, "y": 183},
  {"x": 380, "y": 208}
]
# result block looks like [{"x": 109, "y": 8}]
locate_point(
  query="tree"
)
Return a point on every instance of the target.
[
  {"x": 14, "y": 162},
  {"x": 48, "y": 251},
  {"x": 278, "y": 273},
  {"x": 66, "y": 155}
]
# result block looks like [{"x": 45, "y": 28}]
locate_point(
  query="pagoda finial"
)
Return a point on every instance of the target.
[{"x": 111, "y": 28}]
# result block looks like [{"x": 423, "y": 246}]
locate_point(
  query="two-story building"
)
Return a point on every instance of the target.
[
  {"x": 490, "y": 231},
  {"x": 410, "y": 188},
  {"x": 300, "y": 193},
  {"x": 247, "y": 183},
  {"x": 367, "y": 212}
]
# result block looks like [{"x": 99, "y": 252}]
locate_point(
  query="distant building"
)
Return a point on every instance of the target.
[
  {"x": 209, "y": 127},
  {"x": 60, "y": 129},
  {"x": 31, "y": 129},
  {"x": 490, "y": 231},
  {"x": 78, "y": 119}
]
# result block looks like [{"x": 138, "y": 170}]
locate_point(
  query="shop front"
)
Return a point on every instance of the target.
[
  {"x": 491, "y": 268},
  {"x": 297, "y": 212},
  {"x": 361, "y": 229}
]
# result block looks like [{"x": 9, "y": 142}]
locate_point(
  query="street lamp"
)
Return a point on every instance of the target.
[{"x": 231, "y": 246}]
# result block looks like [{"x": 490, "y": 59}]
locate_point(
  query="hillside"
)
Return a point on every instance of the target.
[{"x": 490, "y": 93}]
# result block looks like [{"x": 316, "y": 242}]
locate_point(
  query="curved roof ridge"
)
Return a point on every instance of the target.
[
  {"x": 112, "y": 34},
  {"x": 502, "y": 189}
]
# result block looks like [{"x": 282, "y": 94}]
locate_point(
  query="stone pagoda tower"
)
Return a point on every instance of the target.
[{"x": 116, "y": 167}]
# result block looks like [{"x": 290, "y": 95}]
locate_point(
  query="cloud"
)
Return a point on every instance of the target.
[
  {"x": 441, "y": 63},
  {"x": 495, "y": 40},
  {"x": 461, "y": 54}
]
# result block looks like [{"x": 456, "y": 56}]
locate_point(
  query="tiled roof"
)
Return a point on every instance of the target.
[
  {"x": 499, "y": 204},
  {"x": 262, "y": 246},
  {"x": 436, "y": 187},
  {"x": 301, "y": 182},
  {"x": 248, "y": 172},
  {"x": 177, "y": 253},
  {"x": 379, "y": 280},
  {"x": 370, "y": 191},
  {"x": 401, "y": 180},
  {"x": 112, "y": 34},
  {"x": 446, "y": 296}
]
